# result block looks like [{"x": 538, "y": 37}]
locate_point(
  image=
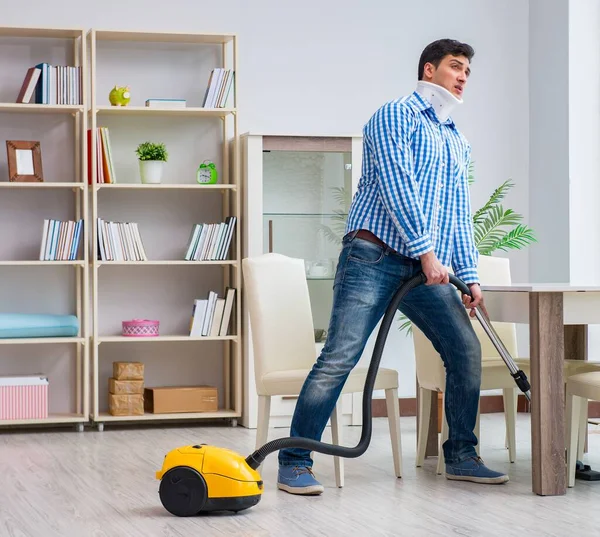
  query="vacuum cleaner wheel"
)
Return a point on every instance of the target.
[{"x": 183, "y": 491}]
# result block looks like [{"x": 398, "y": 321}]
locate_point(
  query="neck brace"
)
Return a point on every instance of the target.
[{"x": 441, "y": 99}]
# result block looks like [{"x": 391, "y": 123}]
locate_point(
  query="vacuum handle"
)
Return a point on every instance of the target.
[{"x": 460, "y": 285}]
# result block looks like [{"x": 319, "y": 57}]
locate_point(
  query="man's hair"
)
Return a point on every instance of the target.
[{"x": 435, "y": 52}]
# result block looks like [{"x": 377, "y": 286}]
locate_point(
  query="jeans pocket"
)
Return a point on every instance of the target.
[{"x": 366, "y": 252}]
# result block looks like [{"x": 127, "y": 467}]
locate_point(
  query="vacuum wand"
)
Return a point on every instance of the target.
[{"x": 515, "y": 372}]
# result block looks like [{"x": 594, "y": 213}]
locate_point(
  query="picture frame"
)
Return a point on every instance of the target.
[{"x": 24, "y": 161}]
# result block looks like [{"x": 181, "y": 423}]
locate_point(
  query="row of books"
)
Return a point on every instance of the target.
[
  {"x": 211, "y": 316},
  {"x": 60, "y": 240},
  {"x": 210, "y": 242},
  {"x": 105, "y": 167},
  {"x": 52, "y": 84},
  {"x": 220, "y": 82},
  {"x": 120, "y": 241}
]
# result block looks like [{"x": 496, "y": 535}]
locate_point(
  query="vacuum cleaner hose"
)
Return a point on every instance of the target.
[{"x": 255, "y": 459}]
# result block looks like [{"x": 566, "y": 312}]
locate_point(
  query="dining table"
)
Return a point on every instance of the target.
[{"x": 558, "y": 316}]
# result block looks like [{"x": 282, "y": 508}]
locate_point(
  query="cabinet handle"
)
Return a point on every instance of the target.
[{"x": 270, "y": 236}]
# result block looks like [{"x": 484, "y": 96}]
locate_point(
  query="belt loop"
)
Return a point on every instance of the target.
[{"x": 352, "y": 235}]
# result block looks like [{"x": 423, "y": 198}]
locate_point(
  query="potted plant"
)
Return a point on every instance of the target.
[{"x": 152, "y": 157}]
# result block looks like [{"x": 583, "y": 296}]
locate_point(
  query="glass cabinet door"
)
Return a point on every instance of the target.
[{"x": 306, "y": 198}]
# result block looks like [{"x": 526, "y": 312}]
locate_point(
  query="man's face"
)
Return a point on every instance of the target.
[{"x": 452, "y": 74}]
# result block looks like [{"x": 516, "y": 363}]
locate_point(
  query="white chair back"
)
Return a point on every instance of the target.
[{"x": 280, "y": 314}]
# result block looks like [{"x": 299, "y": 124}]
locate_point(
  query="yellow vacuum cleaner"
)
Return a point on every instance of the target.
[{"x": 200, "y": 478}]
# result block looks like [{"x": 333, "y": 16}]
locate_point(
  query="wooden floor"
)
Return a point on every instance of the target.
[{"x": 101, "y": 484}]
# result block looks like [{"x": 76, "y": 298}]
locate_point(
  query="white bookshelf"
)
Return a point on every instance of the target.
[
  {"x": 173, "y": 201},
  {"x": 63, "y": 189}
]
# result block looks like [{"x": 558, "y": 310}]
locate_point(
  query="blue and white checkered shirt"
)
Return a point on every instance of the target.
[{"x": 413, "y": 192}]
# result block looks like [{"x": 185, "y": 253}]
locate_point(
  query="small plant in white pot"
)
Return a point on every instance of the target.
[{"x": 152, "y": 157}]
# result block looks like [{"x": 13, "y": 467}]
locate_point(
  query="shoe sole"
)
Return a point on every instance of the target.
[
  {"x": 313, "y": 490},
  {"x": 484, "y": 480}
]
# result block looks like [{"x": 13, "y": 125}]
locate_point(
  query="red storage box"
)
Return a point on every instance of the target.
[{"x": 23, "y": 398}]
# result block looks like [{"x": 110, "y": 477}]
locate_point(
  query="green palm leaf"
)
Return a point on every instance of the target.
[
  {"x": 471, "y": 175},
  {"x": 406, "y": 324},
  {"x": 489, "y": 231},
  {"x": 496, "y": 197},
  {"x": 516, "y": 239}
]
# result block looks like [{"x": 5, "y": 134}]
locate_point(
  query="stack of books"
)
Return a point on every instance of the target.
[
  {"x": 52, "y": 84},
  {"x": 211, "y": 315},
  {"x": 105, "y": 168},
  {"x": 120, "y": 241},
  {"x": 210, "y": 242},
  {"x": 60, "y": 240},
  {"x": 219, "y": 86}
]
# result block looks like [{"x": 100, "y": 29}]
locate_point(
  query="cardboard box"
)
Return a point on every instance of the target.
[
  {"x": 119, "y": 387},
  {"x": 169, "y": 399},
  {"x": 126, "y": 405},
  {"x": 128, "y": 370}
]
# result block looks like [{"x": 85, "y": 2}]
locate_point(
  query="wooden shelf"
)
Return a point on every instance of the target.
[
  {"x": 161, "y": 339},
  {"x": 43, "y": 184},
  {"x": 164, "y": 186},
  {"x": 173, "y": 112},
  {"x": 105, "y": 416},
  {"x": 34, "y": 263},
  {"x": 54, "y": 33},
  {"x": 41, "y": 108},
  {"x": 51, "y": 419},
  {"x": 229, "y": 200},
  {"x": 163, "y": 37},
  {"x": 41, "y": 340},
  {"x": 162, "y": 262}
]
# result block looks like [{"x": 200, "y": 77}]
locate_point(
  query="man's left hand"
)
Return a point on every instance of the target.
[{"x": 476, "y": 301}]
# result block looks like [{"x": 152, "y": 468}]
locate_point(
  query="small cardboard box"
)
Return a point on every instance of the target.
[
  {"x": 128, "y": 370},
  {"x": 126, "y": 404},
  {"x": 119, "y": 387},
  {"x": 170, "y": 399}
]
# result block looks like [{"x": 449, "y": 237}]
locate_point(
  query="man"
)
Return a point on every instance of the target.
[{"x": 411, "y": 212}]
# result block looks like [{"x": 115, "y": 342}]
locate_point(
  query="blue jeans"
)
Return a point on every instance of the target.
[{"x": 367, "y": 277}]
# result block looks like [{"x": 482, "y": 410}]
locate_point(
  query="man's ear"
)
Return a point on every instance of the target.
[{"x": 428, "y": 71}]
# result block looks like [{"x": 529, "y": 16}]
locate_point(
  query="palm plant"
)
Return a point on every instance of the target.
[
  {"x": 495, "y": 228},
  {"x": 335, "y": 231}
]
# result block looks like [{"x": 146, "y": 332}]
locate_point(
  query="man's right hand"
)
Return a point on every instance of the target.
[{"x": 436, "y": 272}]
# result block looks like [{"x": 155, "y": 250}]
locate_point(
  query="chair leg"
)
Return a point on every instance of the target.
[
  {"x": 510, "y": 418},
  {"x": 336, "y": 437},
  {"x": 443, "y": 437},
  {"x": 573, "y": 422},
  {"x": 393, "y": 412},
  {"x": 583, "y": 425},
  {"x": 477, "y": 430},
  {"x": 424, "y": 411},
  {"x": 262, "y": 426}
]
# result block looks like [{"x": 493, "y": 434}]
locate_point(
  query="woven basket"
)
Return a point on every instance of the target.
[{"x": 140, "y": 328}]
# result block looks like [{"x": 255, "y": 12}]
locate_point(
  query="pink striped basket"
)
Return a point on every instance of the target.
[
  {"x": 23, "y": 398},
  {"x": 140, "y": 328}
]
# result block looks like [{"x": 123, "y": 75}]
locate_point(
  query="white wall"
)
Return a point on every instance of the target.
[
  {"x": 325, "y": 67},
  {"x": 584, "y": 140},
  {"x": 549, "y": 139}
]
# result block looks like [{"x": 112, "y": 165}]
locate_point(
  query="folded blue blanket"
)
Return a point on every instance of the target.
[{"x": 32, "y": 325}]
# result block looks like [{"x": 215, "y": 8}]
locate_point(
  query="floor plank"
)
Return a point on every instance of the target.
[{"x": 101, "y": 484}]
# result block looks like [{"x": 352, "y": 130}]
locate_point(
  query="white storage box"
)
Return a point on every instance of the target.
[{"x": 23, "y": 398}]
